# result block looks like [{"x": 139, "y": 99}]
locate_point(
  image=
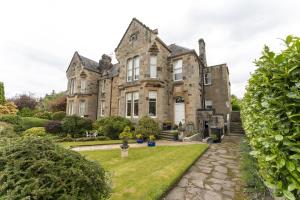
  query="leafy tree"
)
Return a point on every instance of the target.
[
  {"x": 271, "y": 118},
  {"x": 25, "y": 101},
  {"x": 37, "y": 168},
  {"x": 75, "y": 125},
  {"x": 2, "y": 94},
  {"x": 54, "y": 102},
  {"x": 235, "y": 103}
]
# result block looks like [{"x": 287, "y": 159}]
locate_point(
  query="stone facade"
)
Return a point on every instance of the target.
[{"x": 150, "y": 78}]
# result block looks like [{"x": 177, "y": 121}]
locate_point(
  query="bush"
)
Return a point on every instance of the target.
[
  {"x": 53, "y": 127},
  {"x": 35, "y": 131},
  {"x": 59, "y": 115},
  {"x": 29, "y": 122},
  {"x": 8, "y": 108},
  {"x": 12, "y": 119},
  {"x": 44, "y": 170},
  {"x": 112, "y": 126},
  {"x": 43, "y": 115},
  {"x": 6, "y": 131},
  {"x": 76, "y": 126},
  {"x": 147, "y": 126},
  {"x": 25, "y": 112},
  {"x": 271, "y": 119},
  {"x": 25, "y": 101}
]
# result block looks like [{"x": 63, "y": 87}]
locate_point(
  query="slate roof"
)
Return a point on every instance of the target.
[
  {"x": 178, "y": 50},
  {"x": 89, "y": 64}
]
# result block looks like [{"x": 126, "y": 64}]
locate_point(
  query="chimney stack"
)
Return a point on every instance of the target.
[{"x": 202, "y": 53}]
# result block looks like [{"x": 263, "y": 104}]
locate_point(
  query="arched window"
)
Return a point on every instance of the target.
[{"x": 179, "y": 100}]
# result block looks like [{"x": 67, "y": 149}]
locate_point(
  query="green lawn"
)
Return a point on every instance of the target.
[
  {"x": 90, "y": 143},
  {"x": 148, "y": 172}
]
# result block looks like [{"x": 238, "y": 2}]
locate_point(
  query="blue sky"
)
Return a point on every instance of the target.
[{"x": 39, "y": 37}]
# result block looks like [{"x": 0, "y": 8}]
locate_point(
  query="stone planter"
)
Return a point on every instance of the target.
[{"x": 124, "y": 153}]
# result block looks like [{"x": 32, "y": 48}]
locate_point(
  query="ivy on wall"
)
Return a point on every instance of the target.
[{"x": 271, "y": 118}]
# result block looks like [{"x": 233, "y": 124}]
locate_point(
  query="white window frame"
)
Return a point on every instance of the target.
[
  {"x": 135, "y": 96},
  {"x": 72, "y": 86},
  {"x": 128, "y": 98},
  {"x": 102, "y": 108},
  {"x": 208, "y": 103},
  {"x": 83, "y": 86},
  {"x": 207, "y": 78},
  {"x": 152, "y": 95},
  {"x": 136, "y": 68},
  {"x": 82, "y": 108},
  {"x": 153, "y": 66},
  {"x": 129, "y": 70},
  {"x": 71, "y": 108},
  {"x": 177, "y": 69}
]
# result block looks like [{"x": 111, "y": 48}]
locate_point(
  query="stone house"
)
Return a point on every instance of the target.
[{"x": 165, "y": 82}]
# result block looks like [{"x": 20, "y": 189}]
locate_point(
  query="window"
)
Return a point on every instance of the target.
[
  {"x": 208, "y": 104},
  {"x": 177, "y": 70},
  {"x": 207, "y": 79},
  {"x": 129, "y": 70},
  {"x": 83, "y": 86},
  {"x": 153, "y": 66},
  {"x": 133, "y": 69},
  {"x": 71, "y": 108},
  {"x": 81, "y": 108},
  {"x": 72, "y": 86},
  {"x": 103, "y": 86},
  {"x": 102, "y": 108},
  {"x": 152, "y": 103},
  {"x": 135, "y": 104},
  {"x": 128, "y": 104},
  {"x": 136, "y": 64}
]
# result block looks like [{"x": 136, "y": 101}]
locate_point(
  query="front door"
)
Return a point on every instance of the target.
[{"x": 179, "y": 114}]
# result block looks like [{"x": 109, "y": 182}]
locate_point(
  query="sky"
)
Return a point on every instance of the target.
[{"x": 39, "y": 37}]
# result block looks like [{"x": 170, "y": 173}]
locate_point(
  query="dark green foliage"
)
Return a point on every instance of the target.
[
  {"x": 25, "y": 112},
  {"x": 271, "y": 118},
  {"x": 54, "y": 127},
  {"x": 235, "y": 103},
  {"x": 76, "y": 126},
  {"x": 148, "y": 126},
  {"x": 112, "y": 126},
  {"x": 29, "y": 122},
  {"x": 255, "y": 187},
  {"x": 12, "y": 119},
  {"x": 36, "y": 168},
  {"x": 2, "y": 95},
  {"x": 43, "y": 115},
  {"x": 58, "y": 115}
]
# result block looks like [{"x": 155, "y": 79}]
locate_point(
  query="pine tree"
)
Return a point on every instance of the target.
[{"x": 2, "y": 97}]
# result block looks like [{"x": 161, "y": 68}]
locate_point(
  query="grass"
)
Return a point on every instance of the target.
[
  {"x": 147, "y": 173},
  {"x": 91, "y": 143}
]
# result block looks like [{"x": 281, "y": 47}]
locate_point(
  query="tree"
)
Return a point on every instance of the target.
[
  {"x": 2, "y": 94},
  {"x": 25, "y": 101},
  {"x": 235, "y": 103},
  {"x": 54, "y": 102}
]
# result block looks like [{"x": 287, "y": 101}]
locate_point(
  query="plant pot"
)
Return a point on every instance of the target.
[
  {"x": 151, "y": 144},
  {"x": 140, "y": 141},
  {"x": 124, "y": 153}
]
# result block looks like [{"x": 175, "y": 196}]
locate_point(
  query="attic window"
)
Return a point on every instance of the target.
[{"x": 133, "y": 37}]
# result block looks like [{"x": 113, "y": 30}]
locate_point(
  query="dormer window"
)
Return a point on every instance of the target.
[{"x": 133, "y": 37}]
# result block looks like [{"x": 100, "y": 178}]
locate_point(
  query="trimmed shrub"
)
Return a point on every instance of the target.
[
  {"x": 8, "y": 108},
  {"x": 6, "y": 131},
  {"x": 76, "y": 126},
  {"x": 2, "y": 96},
  {"x": 54, "y": 127},
  {"x": 112, "y": 126},
  {"x": 59, "y": 115},
  {"x": 147, "y": 126},
  {"x": 45, "y": 170},
  {"x": 35, "y": 132},
  {"x": 25, "y": 112},
  {"x": 12, "y": 119},
  {"x": 29, "y": 122},
  {"x": 43, "y": 115},
  {"x": 271, "y": 119}
]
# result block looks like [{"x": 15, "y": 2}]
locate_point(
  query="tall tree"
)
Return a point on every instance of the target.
[{"x": 2, "y": 94}]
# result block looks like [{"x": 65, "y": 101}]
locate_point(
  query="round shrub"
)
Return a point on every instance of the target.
[
  {"x": 76, "y": 126},
  {"x": 112, "y": 126},
  {"x": 54, "y": 127},
  {"x": 271, "y": 119},
  {"x": 25, "y": 112},
  {"x": 147, "y": 126},
  {"x": 35, "y": 131},
  {"x": 43, "y": 115},
  {"x": 37, "y": 168},
  {"x": 59, "y": 115}
]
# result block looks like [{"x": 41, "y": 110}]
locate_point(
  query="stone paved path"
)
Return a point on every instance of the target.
[{"x": 215, "y": 176}]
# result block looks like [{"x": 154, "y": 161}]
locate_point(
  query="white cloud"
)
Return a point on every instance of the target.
[{"x": 38, "y": 38}]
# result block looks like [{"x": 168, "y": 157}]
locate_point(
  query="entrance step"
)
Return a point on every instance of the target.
[
  {"x": 236, "y": 128},
  {"x": 166, "y": 135}
]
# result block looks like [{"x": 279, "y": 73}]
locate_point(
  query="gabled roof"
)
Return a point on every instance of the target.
[
  {"x": 86, "y": 62},
  {"x": 138, "y": 21},
  {"x": 179, "y": 50}
]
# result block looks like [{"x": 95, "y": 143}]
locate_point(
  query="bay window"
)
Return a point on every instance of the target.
[
  {"x": 81, "y": 108},
  {"x": 135, "y": 104},
  {"x": 152, "y": 103},
  {"x": 83, "y": 86},
  {"x": 136, "y": 65},
  {"x": 177, "y": 70},
  {"x": 128, "y": 104},
  {"x": 132, "y": 104},
  {"x": 129, "y": 70},
  {"x": 153, "y": 66},
  {"x": 72, "y": 86}
]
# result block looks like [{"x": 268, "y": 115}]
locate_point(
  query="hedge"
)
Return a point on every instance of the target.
[{"x": 271, "y": 118}]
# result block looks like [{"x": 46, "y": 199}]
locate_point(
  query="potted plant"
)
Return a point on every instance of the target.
[
  {"x": 139, "y": 138},
  {"x": 125, "y": 136},
  {"x": 151, "y": 141}
]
